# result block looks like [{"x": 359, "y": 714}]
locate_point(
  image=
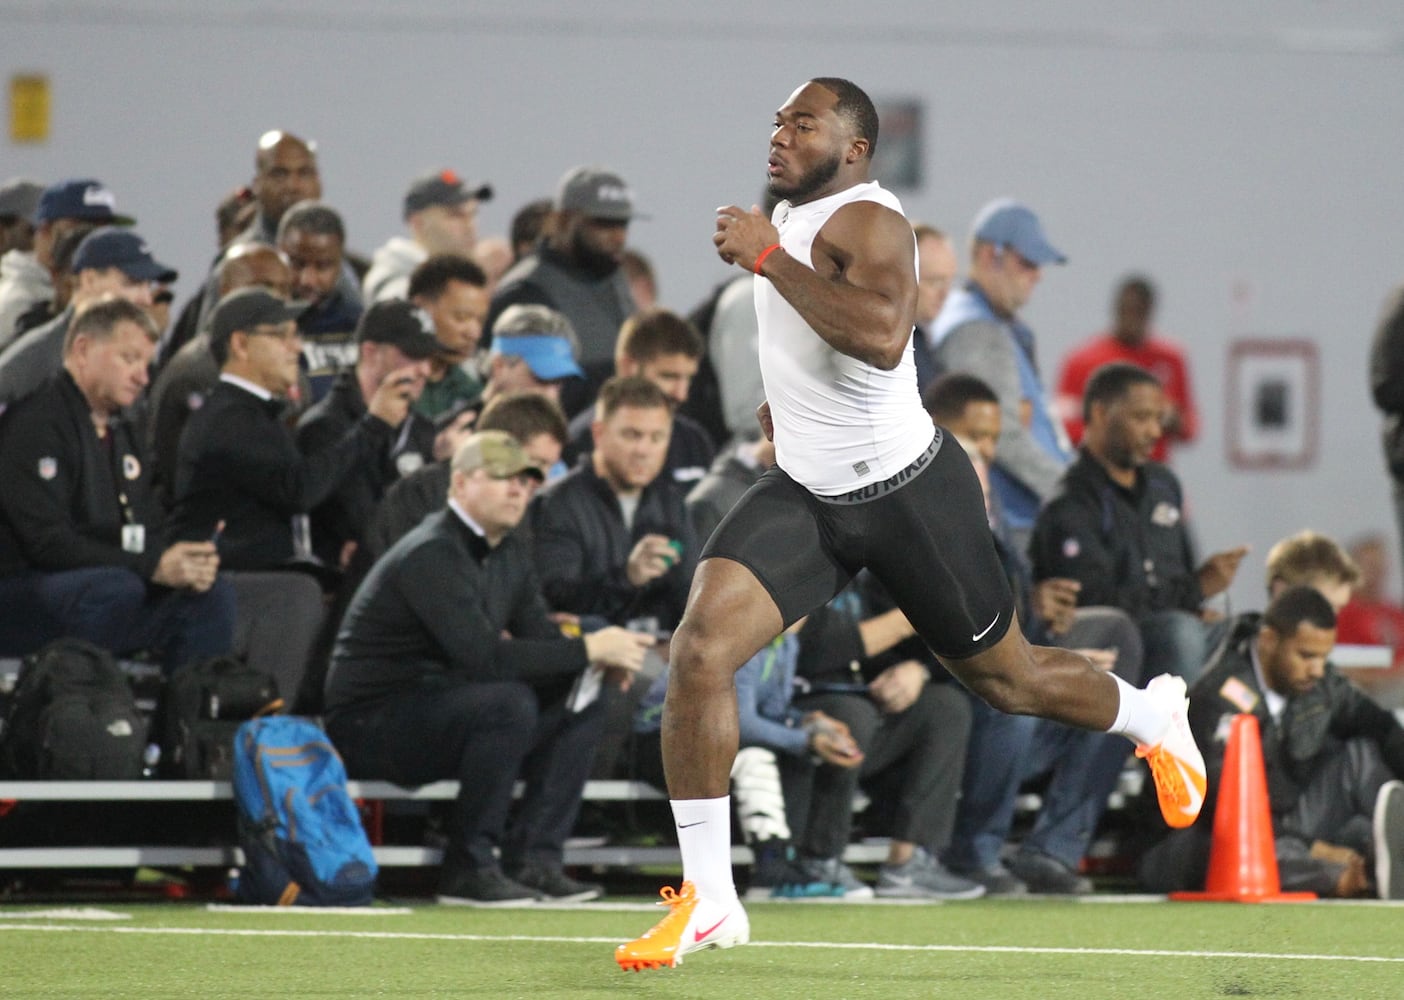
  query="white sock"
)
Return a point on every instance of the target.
[
  {"x": 1139, "y": 717},
  {"x": 704, "y": 836}
]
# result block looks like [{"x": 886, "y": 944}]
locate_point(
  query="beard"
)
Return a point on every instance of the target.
[
  {"x": 809, "y": 182},
  {"x": 590, "y": 260}
]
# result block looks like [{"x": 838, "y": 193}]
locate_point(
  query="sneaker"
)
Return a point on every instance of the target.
[
  {"x": 922, "y": 877},
  {"x": 692, "y": 924},
  {"x": 1045, "y": 874},
  {"x": 1175, "y": 762},
  {"x": 777, "y": 875},
  {"x": 483, "y": 887},
  {"x": 555, "y": 886},
  {"x": 837, "y": 875},
  {"x": 1388, "y": 829},
  {"x": 997, "y": 879}
]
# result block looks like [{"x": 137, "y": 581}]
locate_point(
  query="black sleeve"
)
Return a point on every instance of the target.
[
  {"x": 573, "y": 577},
  {"x": 1067, "y": 542}
]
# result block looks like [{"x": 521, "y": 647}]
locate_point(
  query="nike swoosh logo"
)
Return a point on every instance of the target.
[
  {"x": 698, "y": 935},
  {"x": 688, "y": 826},
  {"x": 1196, "y": 800},
  {"x": 984, "y": 631}
]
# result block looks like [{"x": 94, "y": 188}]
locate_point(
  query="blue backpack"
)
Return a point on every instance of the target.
[{"x": 301, "y": 835}]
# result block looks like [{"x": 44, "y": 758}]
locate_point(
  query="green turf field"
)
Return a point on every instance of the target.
[{"x": 1127, "y": 950}]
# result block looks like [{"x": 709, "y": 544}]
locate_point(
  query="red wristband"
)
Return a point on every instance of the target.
[{"x": 760, "y": 257}]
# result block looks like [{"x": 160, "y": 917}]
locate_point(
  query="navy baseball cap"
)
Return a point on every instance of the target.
[
  {"x": 1007, "y": 223},
  {"x": 124, "y": 250},
  {"x": 84, "y": 199},
  {"x": 549, "y": 357}
]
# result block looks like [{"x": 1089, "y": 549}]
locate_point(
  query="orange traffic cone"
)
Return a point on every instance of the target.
[{"x": 1242, "y": 859}]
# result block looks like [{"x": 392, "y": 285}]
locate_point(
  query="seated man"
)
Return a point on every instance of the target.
[
  {"x": 612, "y": 537},
  {"x": 238, "y": 465},
  {"x": 1333, "y": 758},
  {"x": 534, "y": 420},
  {"x": 396, "y": 342},
  {"x": 533, "y": 350},
  {"x": 83, "y": 551},
  {"x": 453, "y": 291},
  {"x": 1116, "y": 525},
  {"x": 667, "y": 350},
  {"x": 313, "y": 238},
  {"x": 734, "y": 471},
  {"x": 447, "y": 666}
]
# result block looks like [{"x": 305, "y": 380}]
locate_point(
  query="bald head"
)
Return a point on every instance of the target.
[
  {"x": 285, "y": 172},
  {"x": 249, "y": 264}
]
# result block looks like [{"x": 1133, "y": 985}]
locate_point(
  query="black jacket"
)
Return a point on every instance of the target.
[
  {"x": 65, "y": 494},
  {"x": 346, "y": 514},
  {"x": 582, "y": 548},
  {"x": 405, "y": 504},
  {"x": 1311, "y": 729},
  {"x": 1130, "y": 549},
  {"x": 237, "y": 462},
  {"x": 440, "y": 601}
]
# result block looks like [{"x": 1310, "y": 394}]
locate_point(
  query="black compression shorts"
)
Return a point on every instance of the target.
[{"x": 923, "y": 534}]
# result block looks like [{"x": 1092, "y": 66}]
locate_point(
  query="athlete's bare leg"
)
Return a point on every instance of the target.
[
  {"x": 1022, "y": 679},
  {"x": 729, "y": 617}
]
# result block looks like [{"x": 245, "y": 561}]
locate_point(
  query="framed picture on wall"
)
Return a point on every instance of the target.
[
  {"x": 1274, "y": 403},
  {"x": 901, "y": 148}
]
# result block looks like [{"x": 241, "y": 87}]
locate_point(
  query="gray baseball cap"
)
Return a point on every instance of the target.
[
  {"x": 597, "y": 193},
  {"x": 20, "y": 197}
]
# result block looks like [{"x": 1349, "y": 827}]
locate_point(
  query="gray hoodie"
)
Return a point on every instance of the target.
[
  {"x": 390, "y": 270},
  {"x": 23, "y": 282}
]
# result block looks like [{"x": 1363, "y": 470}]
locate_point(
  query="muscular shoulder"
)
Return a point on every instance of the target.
[{"x": 863, "y": 229}]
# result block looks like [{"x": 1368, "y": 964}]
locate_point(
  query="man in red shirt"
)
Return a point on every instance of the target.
[{"x": 1131, "y": 339}]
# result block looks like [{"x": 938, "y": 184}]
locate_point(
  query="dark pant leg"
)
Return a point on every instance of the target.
[
  {"x": 447, "y": 729},
  {"x": 920, "y": 754},
  {"x": 555, "y": 772},
  {"x": 994, "y": 766},
  {"x": 184, "y": 626},
  {"x": 828, "y": 818},
  {"x": 97, "y": 603},
  {"x": 26, "y": 623}
]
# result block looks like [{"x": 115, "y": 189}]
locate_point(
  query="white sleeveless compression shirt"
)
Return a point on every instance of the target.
[{"x": 840, "y": 423}]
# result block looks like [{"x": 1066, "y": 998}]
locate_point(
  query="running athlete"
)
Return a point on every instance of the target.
[{"x": 861, "y": 481}]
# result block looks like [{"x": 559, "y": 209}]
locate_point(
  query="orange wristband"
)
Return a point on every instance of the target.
[{"x": 760, "y": 258}]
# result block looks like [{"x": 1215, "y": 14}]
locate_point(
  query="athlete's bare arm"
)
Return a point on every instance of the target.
[{"x": 860, "y": 295}]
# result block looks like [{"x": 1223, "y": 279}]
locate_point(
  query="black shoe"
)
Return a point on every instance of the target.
[
  {"x": 555, "y": 886},
  {"x": 1045, "y": 874},
  {"x": 483, "y": 887}
]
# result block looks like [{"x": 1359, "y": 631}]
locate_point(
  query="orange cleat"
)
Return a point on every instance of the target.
[
  {"x": 1175, "y": 762},
  {"x": 692, "y": 924}
]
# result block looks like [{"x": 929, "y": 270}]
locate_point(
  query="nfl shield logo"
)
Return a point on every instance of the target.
[{"x": 48, "y": 468}]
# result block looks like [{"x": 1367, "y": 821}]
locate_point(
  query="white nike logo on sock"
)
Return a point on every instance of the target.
[{"x": 984, "y": 631}]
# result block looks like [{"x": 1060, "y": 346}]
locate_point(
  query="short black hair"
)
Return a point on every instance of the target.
[
  {"x": 855, "y": 107},
  {"x": 432, "y": 276},
  {"x": 1296, "y": 606},
  {"x": 947, "y": 397},
  {"x": 315, "y": 218},
  {"x": 1112, "y": 382}
]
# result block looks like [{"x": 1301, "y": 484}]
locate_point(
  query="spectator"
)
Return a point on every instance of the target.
[
  {"x": 441, "y": 213},
  {"x": 313, "y": 238},
  {"x": 396, "y": 342},
  {"x": 18, "y": 200},
  {"x": 494, "y": 255},
  {"x": 285, "y": 173},
  {"x": 534, "y": 349},
  {"x": 576, "y": 269},
  {"x": 535, "y": 421},
  {"x": 936, "y": 272},
  {"x": 612, "y": 537},
  {"x": 192, "y": 372},
  {"x": 734, "y": 472},
  {"x": 26, "y": 279},
  {"x": 447, "y": 666},
  {"x": 1117, "y": 526},
  {"x": 83, "y": 550},
  {"x": 1007, "y": 750},
  {"x": 1132, "y": 339},
  {"x": 453, "y": 291},
  {"x": 979, "y": 331},
  {"x": 109, "y": 261},
  {"x": 63, "y": 278},
  {"x": 1333, "y": 758},
  {"x": 237, "y": 463},
  {"x": 1372, "y": 618},
  {"x": 1387, "y": 386},
  {"x": 643, "y": 282},
  {"x": 666, "y": 349},
  {"x": 527, "y": 225}
]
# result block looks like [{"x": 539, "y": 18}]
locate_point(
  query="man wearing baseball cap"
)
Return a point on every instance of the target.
[
  {"x": 447, "y": 666},
  {"x": 441, "y": 213},
  {"x": 533, "y": 351},
  {"x": 395, "y": 341},
  {"x": 27, "y": 279},
  {"x": 109, "y": 262},
  {"x": 979, "y": 331},
  {"x": 576, "y": 270}
]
